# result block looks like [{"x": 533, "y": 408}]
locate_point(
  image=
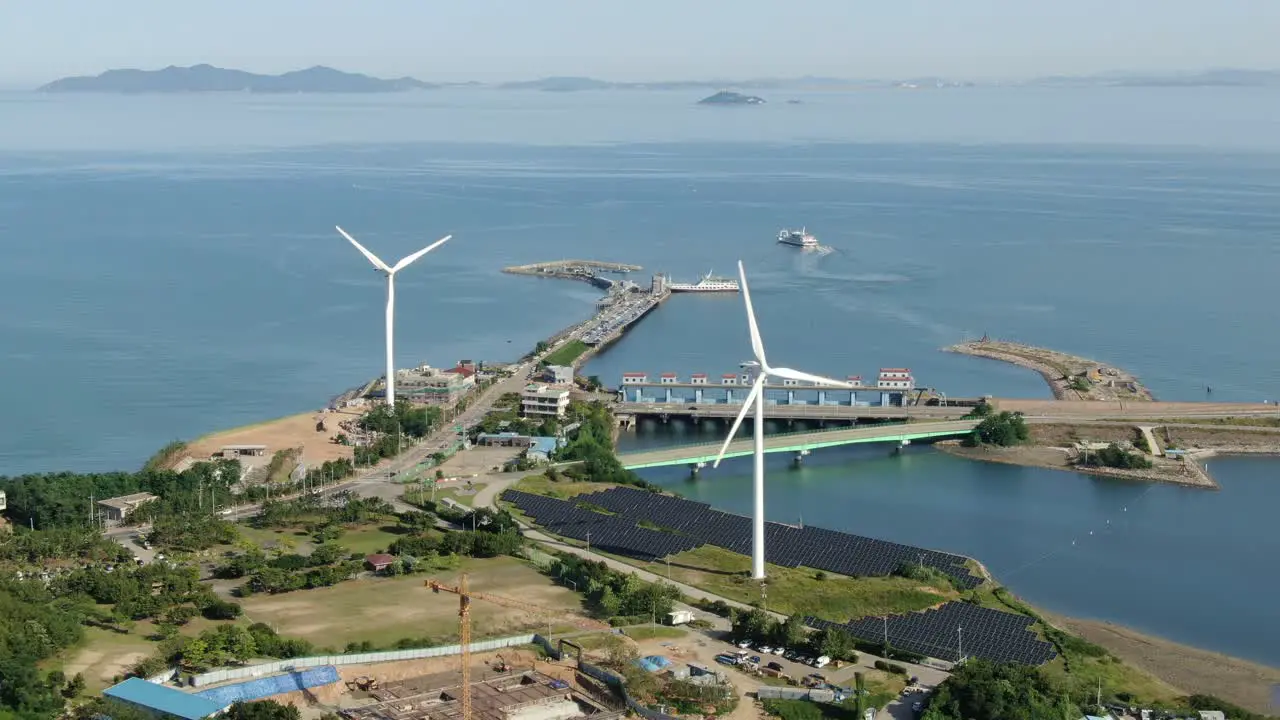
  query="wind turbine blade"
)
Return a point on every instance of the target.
[
  {"x": 757, "y": 345},
  {"x": 790, "y": 374},
  {"x": 409, "y": 260},
  {"x": 377, "y": 262},
  {"x": 756, "y": 388}
]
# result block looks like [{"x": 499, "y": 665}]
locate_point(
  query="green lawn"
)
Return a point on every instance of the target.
[
  {"x": 663, "y": 632},
  {"x": 799, "y": 591},
  {"x": 367, "y": 540},
  {"x": 566, "y": 354}
]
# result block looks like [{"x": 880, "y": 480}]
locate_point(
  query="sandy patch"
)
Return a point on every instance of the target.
[{"x": 282, "y": 434}]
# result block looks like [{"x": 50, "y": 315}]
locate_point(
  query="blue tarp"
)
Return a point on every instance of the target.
[
  {"x": 274, "y": 685},
  {"x": 653, "y": 663}
]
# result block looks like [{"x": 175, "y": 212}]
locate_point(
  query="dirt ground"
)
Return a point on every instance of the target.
[
  {"x": 479, "y": 460},
  {"x": 288, "y": 432},
  {"x": 384, "y": 610},
  {"x": 697, "y": 648},
  {"x": 317, "y": 701},
  {"x": 1193, "y": 670}
]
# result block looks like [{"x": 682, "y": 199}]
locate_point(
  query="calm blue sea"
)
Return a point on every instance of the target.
[{"x": 170, "y": 268}]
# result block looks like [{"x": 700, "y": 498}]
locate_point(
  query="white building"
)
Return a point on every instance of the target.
[
  {"x": 433, "y": 386},
  {"x": 895, "y": 379},
  {"x": 543, "y": 400},
  {"x": 559, "y": 374},
  {"x": 117, "y": 509}
]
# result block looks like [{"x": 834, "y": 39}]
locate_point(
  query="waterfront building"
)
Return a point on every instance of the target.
[
  {"x": 433, "y": 386},
  {"x": 539, "y": 399}
]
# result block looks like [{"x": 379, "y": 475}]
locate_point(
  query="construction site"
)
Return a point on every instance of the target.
[{"x": 510, "y": 695}]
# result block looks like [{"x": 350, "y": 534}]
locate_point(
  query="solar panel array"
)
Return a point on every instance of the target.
[
  {"x": 817, "y": 548},
  {"x": 610, "y": 533},
  {"x": 946, "y": 631}
]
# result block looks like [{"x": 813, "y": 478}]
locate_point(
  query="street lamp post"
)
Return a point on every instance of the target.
[
  {"x": 588, "y": 542},
  {"x": 959, "y": 644}
]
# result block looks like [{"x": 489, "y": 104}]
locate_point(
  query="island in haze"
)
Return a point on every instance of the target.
[
  {"x": 207, "y": 78},
  {"x": 726, "y": 97}
]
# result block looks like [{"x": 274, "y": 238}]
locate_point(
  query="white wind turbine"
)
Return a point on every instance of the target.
[
  {"x": 391, "y": 299},
  {"x": 762, "y": 373}
]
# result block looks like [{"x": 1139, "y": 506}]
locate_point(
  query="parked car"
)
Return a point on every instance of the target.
[
  {"x": 765, "y": 649},
  {"x": 726, "y": 660},
  {"x": 916, "y": 706},
  {"x": 774, "y": 666},
  {"x": 755, "y": 659},
  {"x": 744, "y": 644},
  {"x": 780, "y": 651},
  {"x": 789, "y": 655}
]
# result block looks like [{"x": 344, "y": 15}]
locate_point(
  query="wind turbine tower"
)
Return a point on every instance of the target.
[
  {"x": 390, "y": 271},
  {"x": 761, "y": 372}
]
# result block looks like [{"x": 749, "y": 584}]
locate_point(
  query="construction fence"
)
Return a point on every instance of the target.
[
  {"x": 294, "y": 664},
  {"x": 771, "y": 692}
]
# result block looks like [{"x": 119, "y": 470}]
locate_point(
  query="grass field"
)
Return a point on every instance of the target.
[
  {"x": 384, "y": 610},
  {"x": 657, "y": 631},
  {"x": 798, "y": 590},
  {"x": 567, "y": 353},
  {"x": 368, "y": 539},
  {"x": 564, "y": 489}
]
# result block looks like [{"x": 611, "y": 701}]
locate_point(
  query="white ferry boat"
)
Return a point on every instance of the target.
[
  {"x": 798, "y": 238},
  {"x": 708, "y": 283}
]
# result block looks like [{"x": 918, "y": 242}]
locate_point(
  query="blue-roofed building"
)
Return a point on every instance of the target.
[
  {"x": 162, "y": 700},
  {"x": 540, "y": 448}
]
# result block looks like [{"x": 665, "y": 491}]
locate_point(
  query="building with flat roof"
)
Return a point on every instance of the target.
[
  {"x": 235, "y": 451},
  {"x": 433, "y": 386},
  {"x": 116, "y": 509},
  {"x": 558, "y": 374},
  {"x": 163, "y": 701},
  {"x": 541, "y": 400}
]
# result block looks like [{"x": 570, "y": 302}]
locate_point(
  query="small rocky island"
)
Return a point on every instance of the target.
[{"x": 726, "y": 97}]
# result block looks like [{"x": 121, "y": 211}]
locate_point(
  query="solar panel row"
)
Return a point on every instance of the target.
[
  {"x": 609, "y": 533},
  {"x": 951, "y": 629},
  {"x": 942, "y": 632},
  {"x": 817, "y": 548}
]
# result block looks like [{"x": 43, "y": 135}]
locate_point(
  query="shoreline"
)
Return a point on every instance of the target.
[
  {"x": 1192, "y": 473},
  {"x": 1060, "y": 370},
  {"x": 1186, "y": 668}
]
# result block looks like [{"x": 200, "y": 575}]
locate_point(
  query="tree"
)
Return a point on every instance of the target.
[
  {"x": 755, "y": 624},
  {"x": 789, "y": 633},
  {"x": 262, "y": 710},
  {"x": 1003, "y": 429}
]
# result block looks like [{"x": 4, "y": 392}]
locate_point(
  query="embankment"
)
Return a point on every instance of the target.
[{"x": 1070, "y": 377}]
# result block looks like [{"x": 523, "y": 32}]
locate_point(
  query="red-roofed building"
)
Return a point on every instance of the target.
[
  {"x": 728, "y": 379},
  {"x": 634, "y": 378},
  {"x": 378, "y": 561},
  {"x": 895, "y": 379},
  {"x": 668, "y": 378},
  {"x": 698, "y": 379}
]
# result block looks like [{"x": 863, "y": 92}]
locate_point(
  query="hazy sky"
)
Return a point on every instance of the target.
[{"x": 41, "y": 40}]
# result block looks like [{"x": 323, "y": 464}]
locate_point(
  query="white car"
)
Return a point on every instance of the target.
[
  {"x": 744, "y": 644},
  {"x": 766, "y": 649},
  {"x": 822, "y": 661},
  {"x": 780, "y": 651}
]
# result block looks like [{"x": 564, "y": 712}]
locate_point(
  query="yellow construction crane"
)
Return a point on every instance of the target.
[{"x": 464, "y": 619}]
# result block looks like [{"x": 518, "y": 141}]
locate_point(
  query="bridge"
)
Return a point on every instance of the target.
[
  {"x": 784, "y": 411},
  {"x": 800, "y": 443}
]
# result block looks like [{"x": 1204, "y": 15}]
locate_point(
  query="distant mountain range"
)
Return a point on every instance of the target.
[
  {"x": 320, "y": 79},
  {"x": 207, "y": 78}
]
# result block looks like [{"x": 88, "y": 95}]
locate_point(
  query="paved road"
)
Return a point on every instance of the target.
[{"x": 705, "y": 452}]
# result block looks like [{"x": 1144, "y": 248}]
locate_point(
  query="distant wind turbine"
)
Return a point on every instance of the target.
[
  {"x": 390, "y": 272},
  {"x": 762, "y": 372}
]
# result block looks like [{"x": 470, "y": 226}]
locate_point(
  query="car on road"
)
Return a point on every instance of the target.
[{"x": 773, "y": 665}]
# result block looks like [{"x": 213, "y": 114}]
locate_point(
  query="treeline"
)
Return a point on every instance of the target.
[
  {"x": 69, "y": 500},
  {"x": 982, "y": 689},
  {"x": 621, "y": 598},
  {"x": 35, "y": 624},
  {"x": 593, "y": 445},
  {"x": 394, "y": 429}
]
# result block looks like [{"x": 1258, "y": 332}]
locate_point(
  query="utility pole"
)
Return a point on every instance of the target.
[
  {"x": 588, "y": 542},
  {"x": 959, "y": 645}
]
